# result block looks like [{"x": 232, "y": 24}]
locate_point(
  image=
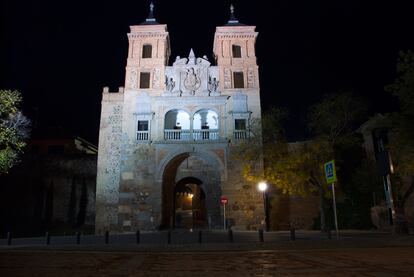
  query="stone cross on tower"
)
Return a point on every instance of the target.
[
  {"x": 150, "y": 18},
  {"x": 233, "y": 19}
]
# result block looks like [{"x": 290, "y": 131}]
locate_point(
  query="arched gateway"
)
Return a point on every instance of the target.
[
  {"x": 191, "y": 189},
  {"x": 166, "y": 139}
]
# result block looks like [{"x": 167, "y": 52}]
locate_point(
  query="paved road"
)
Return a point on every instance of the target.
[{"x": 387, "y": 261}]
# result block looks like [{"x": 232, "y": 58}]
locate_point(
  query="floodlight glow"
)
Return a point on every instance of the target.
[{"x": 262, "y": 186}]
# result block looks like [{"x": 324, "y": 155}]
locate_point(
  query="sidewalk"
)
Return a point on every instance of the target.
[{"x": 214, "y": 240}]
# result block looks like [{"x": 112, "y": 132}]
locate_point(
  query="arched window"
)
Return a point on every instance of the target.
[
  {"x": 204, "y": 118},
  {"x": 147, "y": 51},
  {"x": 177, "y": 125},
  {"x": 236, "y": 49},
  {"x": 205, "y": 125}
]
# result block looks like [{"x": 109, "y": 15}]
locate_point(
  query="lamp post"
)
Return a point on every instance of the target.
[{"x": 262, "y": 186}]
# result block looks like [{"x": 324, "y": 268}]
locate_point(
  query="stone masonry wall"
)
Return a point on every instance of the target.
[{"x": 107, "y": 185}]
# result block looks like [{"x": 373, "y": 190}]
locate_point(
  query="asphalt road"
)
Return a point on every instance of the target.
[{"x": 388, "y": 261}]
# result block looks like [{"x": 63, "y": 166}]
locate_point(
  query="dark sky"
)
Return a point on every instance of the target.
[{"x": 60, "y": 54}]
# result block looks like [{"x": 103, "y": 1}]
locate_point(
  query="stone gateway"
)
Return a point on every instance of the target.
[{"x": 165, "y": 140}]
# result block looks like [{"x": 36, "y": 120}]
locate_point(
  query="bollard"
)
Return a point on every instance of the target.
[
  {"x": 200, "y": 236},
  {"x": 106, "y": 237},
  {"x": 169, "y": 237},
  {"x": 230, "y": 234},
  {"x": 138, "y": 236},
  {"x": 261, "y": 236},
  {"x": 9, "y": 238},
  {"x": 78, "y": 234},
  {"x": 47, "y": 238},
  {"x": 328, "y": 233},
  {"x": 292, "y": 234}
]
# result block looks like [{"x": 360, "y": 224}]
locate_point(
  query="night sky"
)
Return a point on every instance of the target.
[{"x": 60, "y": 54}]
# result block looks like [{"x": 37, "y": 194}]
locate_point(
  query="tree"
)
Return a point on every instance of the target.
[
  {"x": 333, "y": 122},
  {"x": 402, "y": 136},
  {"x": 14, "y": 129},
  {"x": 335, "y": 118},
  {"x": 293, "y": 168},
  {"x": 297, "y": 168}
]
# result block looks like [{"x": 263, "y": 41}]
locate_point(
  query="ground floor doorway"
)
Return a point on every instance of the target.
[{"x": 189, "y": 204}]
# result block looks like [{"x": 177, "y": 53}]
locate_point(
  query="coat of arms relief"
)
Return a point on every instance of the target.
[{"x": 191, "y": 77}]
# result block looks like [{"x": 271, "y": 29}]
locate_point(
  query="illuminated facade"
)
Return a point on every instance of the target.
[{"x": 166, "y": 139}]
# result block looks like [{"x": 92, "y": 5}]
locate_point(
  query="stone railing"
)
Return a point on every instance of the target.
[
  {"x": 142, "y": 135},
  {"x": 206, "y": 134},
  {"x": 240, "y": 134},
  {"x": 174, "y": 134},
  {"x": 190, "y": 135}
]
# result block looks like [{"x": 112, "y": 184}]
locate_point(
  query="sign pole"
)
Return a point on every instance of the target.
[
  {"x": 334, "y": 206},
  {"x": 330, "y": 174},
  {"x": 224, "y": 201},
  {"x": 224, "y": 216}
]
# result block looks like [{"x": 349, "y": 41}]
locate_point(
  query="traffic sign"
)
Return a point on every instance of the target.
[
  {"x": 330, "y": 172},
  {"x": 223, "y": 200}
]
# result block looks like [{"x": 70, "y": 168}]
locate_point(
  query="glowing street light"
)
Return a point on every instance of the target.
[{"x": 262, "y": 186}]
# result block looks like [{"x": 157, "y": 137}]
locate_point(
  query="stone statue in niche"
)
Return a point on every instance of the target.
[
  {"x": 213, "y": 84},
  {"x": 170, "y": 84},
  {"x": 192, "y": 81}
]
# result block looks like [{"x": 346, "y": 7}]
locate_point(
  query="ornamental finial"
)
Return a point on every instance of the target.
[
  {"x": 233, "y": 19},
  {"x": 150, "y": 18}
]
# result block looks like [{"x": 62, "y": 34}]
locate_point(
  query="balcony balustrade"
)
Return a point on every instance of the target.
[
  {"x": 191, "y": 135},
  {"x": 240, "y": 134},
  {"x": 142, "y": 135}
]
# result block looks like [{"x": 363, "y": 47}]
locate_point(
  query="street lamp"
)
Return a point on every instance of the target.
[{"x": 262, "y": 186}]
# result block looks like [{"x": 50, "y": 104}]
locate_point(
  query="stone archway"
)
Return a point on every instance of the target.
[
  {"x": 189, "y": 207},
  {"x": 191, "y": 168}
]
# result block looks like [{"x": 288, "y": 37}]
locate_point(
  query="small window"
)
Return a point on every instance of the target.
[
  {"x": 144, "y": 80},
  {"x": 240, "y": 124},
  {"x": 142, "y": 130},
  {"x": 238, "y": 79},
  {"x": 236, "y": 51},
  {"x": 142, "y": 125},
  {"x": 147, "y": 51}
]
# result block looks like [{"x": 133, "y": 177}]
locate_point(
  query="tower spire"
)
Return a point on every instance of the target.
[
  {"x": 150, "y": 18},
  {"x": 233, "y": 19}
]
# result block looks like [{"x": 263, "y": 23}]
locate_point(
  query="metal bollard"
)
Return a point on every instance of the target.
[
  {"x": 230, "y": 234},
  {"x": 169, "y": 237},
  {"x": 47, "y": 238},
  {"x": 261, "y": 236},
  {"x": 106, "y": 237},
  {"x": 9, "y": 238},
  {"x": 78, "y": 234},
  {"x": 138, "y": 236},
  {"x": 200, "y": 236},
  {"x": 292, "y": 234}
]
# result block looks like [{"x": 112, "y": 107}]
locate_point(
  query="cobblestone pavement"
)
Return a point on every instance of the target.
[{"x": 391, "y": 261}]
